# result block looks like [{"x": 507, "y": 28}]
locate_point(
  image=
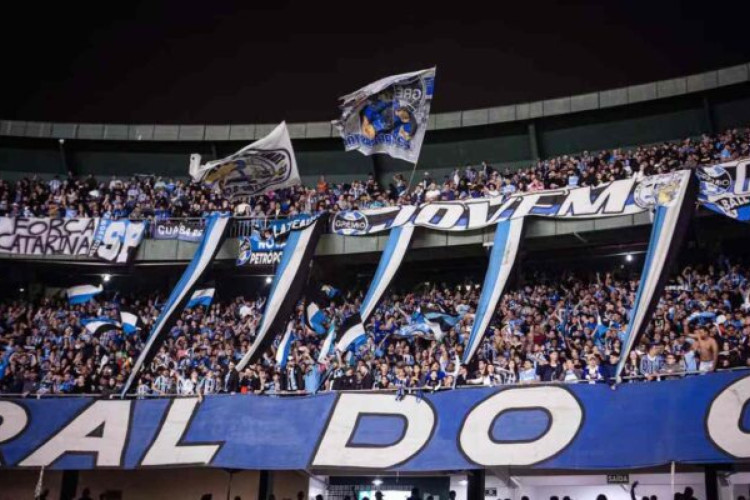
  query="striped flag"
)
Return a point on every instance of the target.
[
  {"x": 352, "y": 332},
  {"x": 129, "y": 321},
  {"x": 201, "y": 298},
  {"x": 285, "y": 346},
  {"x": 82, "y": 293},
  {"x": 327, "y": 347}
]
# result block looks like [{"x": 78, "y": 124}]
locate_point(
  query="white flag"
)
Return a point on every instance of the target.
[
  {"x": 388, "y": 116},
  {"x": 264, "y": 165}
]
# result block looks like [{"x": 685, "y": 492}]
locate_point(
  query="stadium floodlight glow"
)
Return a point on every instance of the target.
[
  {"x": 106, "y": 277},
  {"x": 21, "y": 290},
  {"x": 377, "y": 481},
  {"x": 463, "y": 482},
  {"x": 629, "y": 257},
  {"x": 269, "y": 279}
]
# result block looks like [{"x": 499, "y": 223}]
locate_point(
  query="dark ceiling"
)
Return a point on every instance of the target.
[{"x": 247, "y": 62}]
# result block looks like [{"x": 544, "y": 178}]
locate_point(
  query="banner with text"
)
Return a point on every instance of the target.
[
  {"x": 700, "y": 419},
  {"x": 267, "y": 240},
  {"x": 117, "y": 240},
  {"x": 45, "y": 236},
  {"x": 623, "y": 197},
  {"x": 725, "y": 189},
  {"x": 187, "y": 230}
]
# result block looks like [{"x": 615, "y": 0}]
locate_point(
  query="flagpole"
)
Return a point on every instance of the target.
[{"x": 411, "y": 177}]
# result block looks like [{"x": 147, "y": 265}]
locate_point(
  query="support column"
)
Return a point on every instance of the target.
[
  {"x": 69, "y": 485},
  {"x": 64, "y": 164},
  {"x": 475, "y": 488},
  {"x": 708, "y": 116},
  {"x": 534, "y": 148},
  {"x": 711, "y": 482},
  {"x": 265, "y": 485}
]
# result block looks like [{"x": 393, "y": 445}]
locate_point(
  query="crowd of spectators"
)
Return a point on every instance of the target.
[
  {"x": 157, "y": 197},
  {"x": 551, "y": 328}
]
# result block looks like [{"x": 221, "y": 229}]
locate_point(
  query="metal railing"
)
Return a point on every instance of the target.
[{"x": 424, "y": 389}]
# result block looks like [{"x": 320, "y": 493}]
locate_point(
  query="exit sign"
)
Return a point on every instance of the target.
[{"x": 618, "y": 478}]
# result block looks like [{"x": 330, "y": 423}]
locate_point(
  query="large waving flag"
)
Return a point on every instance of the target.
[
  {"x": 213, "y": 236},
  {"x": 388, "y": 116},
  {"x": 201, "y": 298},
  {"x": 327, "y": 348},
  {"x": 82, "y": 293},
  {"x": 352, "y": 332},
  {"x": 266, "y": 164}
]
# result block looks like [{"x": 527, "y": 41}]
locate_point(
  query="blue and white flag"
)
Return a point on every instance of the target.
[
  {"x": 201, "y": 298},
  {"x": 82, "y": 293},
  {"x": 129, "y": 321},
  {"x": 352, "y": 332},
  {"x": 725, "y": 189},
  {"x": 388, "y": 116},
  {"x": 502, "y": 258},
  {"x": 285, "y": 346},
  {"x": 393, "y": 254},
  {"x": 327, "y": 348},
  {"x": 98, "y": 326}
]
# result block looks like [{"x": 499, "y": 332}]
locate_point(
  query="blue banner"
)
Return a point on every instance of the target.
[{"x": 701, "y": 419}]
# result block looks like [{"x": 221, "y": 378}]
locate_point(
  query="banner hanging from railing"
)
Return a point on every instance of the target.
[
  {"x": 623, "y": 197},
  {"x": 117, "y": 240},
  {"x": 267, "y": 240},
  {"x": 701, "y": 419},
  {"x": 44, "y": 236},
  {"x": 183, "y": 230},
  {"x": 725, "y": 189}
]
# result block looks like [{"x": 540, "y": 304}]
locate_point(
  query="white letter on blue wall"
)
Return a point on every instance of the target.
[{"x": 724, "y": 418}]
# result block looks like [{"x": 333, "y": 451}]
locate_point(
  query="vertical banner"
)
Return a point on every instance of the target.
[
  {"x": 393, "y": 254},
  {"x": 673, "y": 214},
  {"x": 502, "y": 258},
  {"x": 287, "y": 286},
  {"x": 213, "y": 236}
]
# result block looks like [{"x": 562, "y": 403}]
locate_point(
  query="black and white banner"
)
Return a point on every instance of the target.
[
  {"x": 45, "y": 236},
  {"x": 287, "y": 287},
  {"x": 265, "y": 245},
  {"x": 183, "y": 230},
  {"x": 667, "y": 234},
  {"x": 213, "y": 237},
  {"x": 266, "y": 164},
  {"x": 623, "y": 197},
  {"x": 117, "y": 240},
  {"x": 388, "y": 116}
]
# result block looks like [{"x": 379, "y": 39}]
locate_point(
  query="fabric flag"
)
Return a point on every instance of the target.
[
  {"x": 502, "y": 258},
  {"x": 393, "y": 254},
  {"x": 201, "y": 298},
  {"x": 424, "y": 328},
  {"x": 287, "y": 286},
  {"x": 388, "y": 116},
  {"x": 282, "y": 353},
  {"x": 673, "y": 213},
  {"x": 352, "y": 332},
  {"x": 213, "y": 236},
  {"x": 97, "y": 326},
  {"x": 82, "y": 293},
  {"x": 266, "y": 164},
  {"x": 725, "y": 189},
  {"x": 327, "y": 347},
  {"x": 130, "y": 322},
  {"x": 317, "y": 298}
]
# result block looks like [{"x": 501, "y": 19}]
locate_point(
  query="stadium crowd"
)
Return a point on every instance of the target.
[
  {"x": 160, "y": 198},
  {"x": 561, "y": 327}
]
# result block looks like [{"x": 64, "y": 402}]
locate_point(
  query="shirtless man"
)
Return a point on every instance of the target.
[{"x": 708, "y": 350}]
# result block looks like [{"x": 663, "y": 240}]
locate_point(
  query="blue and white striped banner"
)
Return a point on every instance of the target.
[
  {"x": 82, "y": 293},
  {"x": 502, "y": 258},
  {"x": 390, "y": 261},
  {"x": 213, "y": 236},
  {"x": 287, "y": 287},
  {"x": 670, "y": 225}
]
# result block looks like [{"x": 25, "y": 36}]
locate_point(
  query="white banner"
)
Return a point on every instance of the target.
[
  {"x": 45, "y": 236},
  {"x": 266, "y": 164},
  {"x": 388, "y": 116}
]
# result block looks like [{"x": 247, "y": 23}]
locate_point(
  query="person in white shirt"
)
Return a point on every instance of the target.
[{"x": 528, "y": 374}]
